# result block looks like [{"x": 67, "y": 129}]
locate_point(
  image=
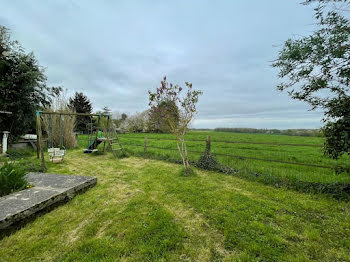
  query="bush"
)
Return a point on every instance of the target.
[
  {"x": 12, "y": 178},
  {"x": 208, "y": 162}
]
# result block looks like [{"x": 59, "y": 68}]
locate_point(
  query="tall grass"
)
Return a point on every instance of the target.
[{"x": 60, "y": 104}]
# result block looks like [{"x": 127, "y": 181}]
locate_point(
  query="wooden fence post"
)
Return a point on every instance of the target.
[
  {"x": 39, "y": 138},
  {"x": 145, "y": 145},
  {"x": 208, "y": 144}
]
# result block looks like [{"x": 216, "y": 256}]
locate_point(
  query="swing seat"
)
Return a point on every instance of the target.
[
  {"x": 88, "y": 151},
  {"x": 56, "y": 154}
]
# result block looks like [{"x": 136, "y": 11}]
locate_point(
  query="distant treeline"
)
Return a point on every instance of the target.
[{"x": 289, "y": 132}]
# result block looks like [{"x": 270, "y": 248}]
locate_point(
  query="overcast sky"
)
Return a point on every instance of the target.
[{"x": 114, "y": 51}]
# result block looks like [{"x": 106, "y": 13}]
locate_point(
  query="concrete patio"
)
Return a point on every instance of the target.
[{"x": 48, "y": 191}]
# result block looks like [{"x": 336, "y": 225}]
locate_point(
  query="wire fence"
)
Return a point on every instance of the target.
[
  {"x": 203, "y": 142},
  {"x": 299, "y": 166},
  {"x": 227, "y": 142},
  {"x": 284, "y": 161}
]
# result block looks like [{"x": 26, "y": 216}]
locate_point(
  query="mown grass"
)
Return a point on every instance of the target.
[{"x": 144, "y": 210}]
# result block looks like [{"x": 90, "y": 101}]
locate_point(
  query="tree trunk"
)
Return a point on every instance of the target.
[
  {"x": 186, "y": 155},
  {"x": 180, "y": 152}
]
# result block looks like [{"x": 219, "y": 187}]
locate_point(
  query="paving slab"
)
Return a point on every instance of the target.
[{"x": 49, "y": 190}]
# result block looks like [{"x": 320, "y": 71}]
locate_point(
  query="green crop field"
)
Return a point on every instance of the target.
[
  {"x": 274, "y": 158},
  {"x": 309, "y": 155}
]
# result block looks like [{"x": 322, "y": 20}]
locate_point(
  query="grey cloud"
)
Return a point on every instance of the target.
[{"x": 115, "y": 51}]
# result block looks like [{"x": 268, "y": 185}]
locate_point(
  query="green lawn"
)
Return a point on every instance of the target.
[
  {"x": 299, "y": 154},
  {"x": 144, "y": 210}
]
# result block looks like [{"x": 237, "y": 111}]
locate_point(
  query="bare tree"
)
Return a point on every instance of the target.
[{"x": 184, "y": 106}]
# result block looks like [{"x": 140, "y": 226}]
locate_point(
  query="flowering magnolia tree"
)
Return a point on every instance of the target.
[{"x": 181, "y": 105}]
